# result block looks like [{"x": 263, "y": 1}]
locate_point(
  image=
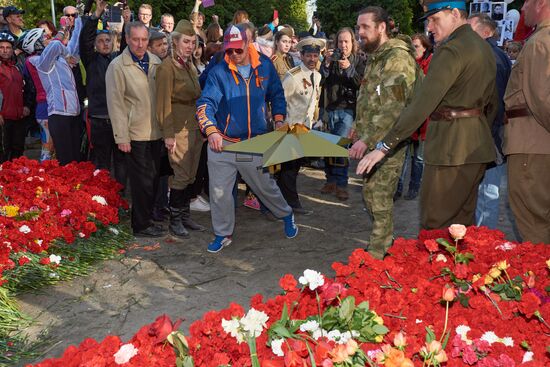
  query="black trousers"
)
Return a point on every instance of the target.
[
  {"x": 143, "y": 170},
  {"x": 12, "y": 139},
  {"x": 201, "y": 179},
  {"x": 66, "y": 132},
  {"x": 105, "y": 150},
  {"x": 286, "y": 180}
]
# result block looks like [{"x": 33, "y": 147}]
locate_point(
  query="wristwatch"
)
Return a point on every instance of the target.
[{"x": 383, "y": 147}]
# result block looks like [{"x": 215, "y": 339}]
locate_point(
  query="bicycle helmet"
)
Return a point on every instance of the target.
[
  {"x": 6, "y": 37},
  {"x": 33, "y": 41}
]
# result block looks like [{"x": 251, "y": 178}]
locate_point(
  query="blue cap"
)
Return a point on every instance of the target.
[{"x": 438, "y": 5}]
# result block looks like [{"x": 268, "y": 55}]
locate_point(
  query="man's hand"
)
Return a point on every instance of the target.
[
  {"x": 278, "y": 124},
  {"x": 367, "y": 163},
  {"x": 357, "y": 150},
  {"x": 352, "y": 135},
  {"x": 170, "y": 144},
  {"x": 215, "y": 142},
  {"x": 344, "y": 63},
  {"x": 73, "y": 61},
  {"x": 26, "y": 111},
  {"x": 100, "y": 6},
  {"x": 125, "y": 147},
  {"x": 215, "y": 19},
  {"x": 275, "y": 22}
]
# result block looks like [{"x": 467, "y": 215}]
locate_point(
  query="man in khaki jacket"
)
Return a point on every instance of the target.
[
  {"x": 527, "y": 132},
  {"x": 130, "y": 82}
]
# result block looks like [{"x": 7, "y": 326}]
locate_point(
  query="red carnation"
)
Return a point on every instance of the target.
[
  {"x": 44, "y": 261},
  {"x": 288, "y": 283},
  {"x": 529, "y": 304},
  {"x": 431, "y": 245},
  {"x": 24, "y": 260}
]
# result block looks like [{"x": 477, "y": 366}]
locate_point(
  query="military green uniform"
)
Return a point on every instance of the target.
[
  {"x": 461, "y": 77},
  {"x": 283, "y": 63},
  {"x": 387, "y": 84}
]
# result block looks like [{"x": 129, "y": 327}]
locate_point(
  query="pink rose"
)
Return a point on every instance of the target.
[{"x": 457, "y": 231}]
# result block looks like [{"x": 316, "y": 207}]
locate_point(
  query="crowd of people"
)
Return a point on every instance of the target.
[{"x": 156, "y": 105}]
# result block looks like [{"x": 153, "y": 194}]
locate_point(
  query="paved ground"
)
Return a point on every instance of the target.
[{"x": 181, "y": 279}]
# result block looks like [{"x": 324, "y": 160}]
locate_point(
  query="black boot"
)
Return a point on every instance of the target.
[
  {"x": 176, "y": 214},
  {"x": 186, "y": 212}
]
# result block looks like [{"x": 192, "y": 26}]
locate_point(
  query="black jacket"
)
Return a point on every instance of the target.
[
  {"x": 340, "y": 86},
  {"x": 96, "y": 67}
]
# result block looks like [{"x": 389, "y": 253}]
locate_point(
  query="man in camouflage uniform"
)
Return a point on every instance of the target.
[
  {"x": 460, "y": 96},
  {"x": 386, "y": 87}
]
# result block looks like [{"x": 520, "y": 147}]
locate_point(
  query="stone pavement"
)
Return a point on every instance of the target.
[{"x": 179, "y": 278}]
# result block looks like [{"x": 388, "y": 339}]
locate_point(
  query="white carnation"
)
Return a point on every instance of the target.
[
  {"x": 310, "y": 326},
  {"x": 527, "y": 357},
  {"x": 232, "y": 327},
  {"x": 312, "y": 278},
  {"x": 254, "y": 322},
  {"x": 508, "y": 341},
  {"x": 490, "y": 337},
  {"x": 441, "y": 257},
  {"x": 24, "y": 229},
  {"x": 125, "y": 353},
  {"x": 277, "y": 347},
  {"x": 55, "y": 259},
  {"x": 99, "y": 199},
  {"x": 463, "y": 330}
]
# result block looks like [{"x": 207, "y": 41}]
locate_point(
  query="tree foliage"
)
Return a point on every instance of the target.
[
  {"x": 335, "y": 14},
  {"x": 261, "y": 11}
]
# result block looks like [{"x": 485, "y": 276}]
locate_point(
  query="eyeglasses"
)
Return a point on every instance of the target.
[
  {"x": 73, "y": 15},
  {"x": 145, "y": 15},
  {"x": 238, "y": 51}
]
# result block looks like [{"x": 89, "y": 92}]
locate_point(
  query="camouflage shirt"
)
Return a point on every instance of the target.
[{"x": 385, "y": 90}]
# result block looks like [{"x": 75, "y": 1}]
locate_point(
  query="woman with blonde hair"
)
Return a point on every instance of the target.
[{"x": 177, "y": 91}]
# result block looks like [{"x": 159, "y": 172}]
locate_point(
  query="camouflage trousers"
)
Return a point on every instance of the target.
[{"x": 378, "y": 189}]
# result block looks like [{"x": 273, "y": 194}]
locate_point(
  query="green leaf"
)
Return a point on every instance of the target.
[
  {"x": 363, "y": 306},
  {"x": 464, "y": 301},
  {"x": 446, "y": 340},
  {"x": 380, "y": 329},
  {"x": 498, "y": 288},
  {"x": 443, "y": 242},
  {"x": 188, "y": 362},
  {"x": 284, "y": 315},
  {"x": 430, "y": 336},
  {"x": 346, "y": 308},
  {"x": 280, "y": 330}
]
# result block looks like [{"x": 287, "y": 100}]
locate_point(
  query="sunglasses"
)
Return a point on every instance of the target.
[
  {"x": 230, "y": 51},
  {"x": 74, "y": 15}
]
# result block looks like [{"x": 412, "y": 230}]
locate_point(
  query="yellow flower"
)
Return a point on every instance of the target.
[
  {"x": 488, "y": 279},
  {"x": 39, "y": 191},
  {"x": 494, "y": 273},
  {"x": 379, "y": 338},
  {"x": 378, "y": 320},
  {"x": 476, "y": 277},
  {"x": 10, "y": 210},
  {"x": 77, "y": 186},
  {"x": 548, "y": 263},
  {"x": 502, "y": 265}
]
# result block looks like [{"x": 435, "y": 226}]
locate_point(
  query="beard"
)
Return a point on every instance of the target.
[{"x": 371, "y": 46}]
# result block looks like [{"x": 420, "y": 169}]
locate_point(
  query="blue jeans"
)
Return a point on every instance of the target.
[
  {"x": 336, "y": 169},
  {"x": 417, "y": 168},
  {"x": 488, "y": 197}
]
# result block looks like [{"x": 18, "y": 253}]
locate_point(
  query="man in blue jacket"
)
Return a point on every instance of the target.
[{"x": 232, "y": 108}]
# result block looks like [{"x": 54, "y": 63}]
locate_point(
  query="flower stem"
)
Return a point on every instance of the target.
[
  {"x": 319, "y": 309},
  {"x": 446, "y": 320}
]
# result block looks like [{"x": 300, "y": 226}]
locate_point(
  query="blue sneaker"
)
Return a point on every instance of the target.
[
  {"x": 291, "y": 230},
  {"x": 219, "y": 243}
]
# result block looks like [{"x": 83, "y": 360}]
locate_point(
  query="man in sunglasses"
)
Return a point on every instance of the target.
[
  {"x": 71, "y": 13},
  {"x": 232, "y": 108}
]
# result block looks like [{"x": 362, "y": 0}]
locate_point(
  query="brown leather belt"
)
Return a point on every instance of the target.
[
  {"x": 450, "y": 114},
  {"x": 518, "y": 112}
]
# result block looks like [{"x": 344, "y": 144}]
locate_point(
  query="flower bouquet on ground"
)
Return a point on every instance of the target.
[
  {"x": 55, "y": 222},
  {"x": 463, "y": 297}
]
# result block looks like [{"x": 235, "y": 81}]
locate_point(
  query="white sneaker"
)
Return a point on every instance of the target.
[{"x": 200, "y": 205}]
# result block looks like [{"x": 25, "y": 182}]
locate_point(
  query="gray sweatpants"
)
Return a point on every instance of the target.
[{"x": 222, "y": 170}]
